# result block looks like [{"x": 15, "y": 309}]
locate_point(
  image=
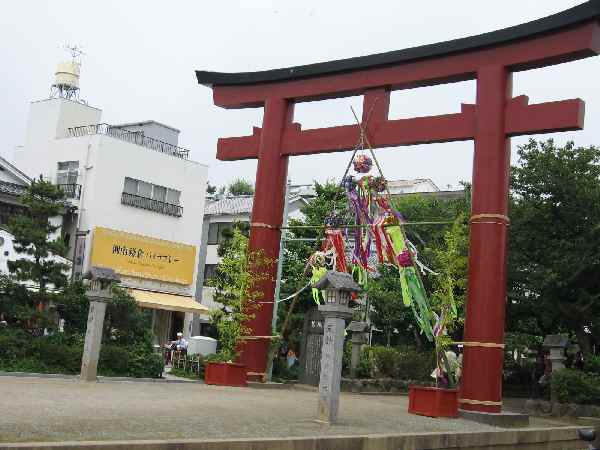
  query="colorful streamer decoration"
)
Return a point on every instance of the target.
[{"x": 378, "y": 229}]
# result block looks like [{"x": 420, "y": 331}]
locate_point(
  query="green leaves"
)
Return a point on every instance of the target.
[
  {"x": 33, "y": 233},
  {"x": 237, "y": 281},
  {"x": 554, "y": 270}
]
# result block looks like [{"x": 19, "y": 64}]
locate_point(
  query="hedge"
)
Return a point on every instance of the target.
[
  {"x": 574, "y": 386},
  {"x": 405, "y": 363},
  {"x": 60, "y": 353}
]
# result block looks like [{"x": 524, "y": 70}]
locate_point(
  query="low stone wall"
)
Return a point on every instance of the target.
[
  {"x": 546, "y": 408},
  {"x": 377, "y": 385},
  {"x": 524, "y": 439}
]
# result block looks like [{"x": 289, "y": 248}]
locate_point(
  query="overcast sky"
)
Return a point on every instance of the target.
[{"x": 141, "y": 57}]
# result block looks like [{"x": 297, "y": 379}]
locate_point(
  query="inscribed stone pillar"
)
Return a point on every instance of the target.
[
  {"x": 331, "y": 361},
  {"x": 93, "y": 340}
]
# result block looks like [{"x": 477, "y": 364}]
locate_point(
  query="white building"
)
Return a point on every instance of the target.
[
  {"x": 138, "y": 202},
  {"x": 221, "y": 214}
]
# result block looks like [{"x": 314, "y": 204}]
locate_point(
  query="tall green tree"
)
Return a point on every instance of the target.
[
  {"x": 32, "y": 233},
  {"x": 554, "y": 270},
  {"x": 238, "y": 277}
]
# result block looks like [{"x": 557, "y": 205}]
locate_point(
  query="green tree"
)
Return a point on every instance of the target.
[
  {"x": 237, "y": 278},
  {"x": 388, "y": 313},
  {"x": 554, "y": 270},
  {"x": 32, "y": 233},
  {"x": 240, "y": 186}
]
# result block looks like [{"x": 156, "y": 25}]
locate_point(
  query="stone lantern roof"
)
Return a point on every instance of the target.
[{"x": 342, "y": 281}]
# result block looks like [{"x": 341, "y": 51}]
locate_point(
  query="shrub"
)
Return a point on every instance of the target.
[
  {"x": 60, "y": 357},
  {"x": 13, "y": 345},
  {"x": 415, "y": 365},
  {"x": 573, "y": 386},
  {"x": 386, "y": 360},
  {"x": 592, "y": 364},
  {"x": 113, "y": 361},
  {"x": 405, "y": 363},
  {"x": 144, "y": 364}
]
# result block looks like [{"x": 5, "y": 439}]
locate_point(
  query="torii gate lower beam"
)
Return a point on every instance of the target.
[{"x": 490, "y": 59}]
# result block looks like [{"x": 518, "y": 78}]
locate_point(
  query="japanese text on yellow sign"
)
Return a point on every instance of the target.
[{"x": 143, "y": 257}]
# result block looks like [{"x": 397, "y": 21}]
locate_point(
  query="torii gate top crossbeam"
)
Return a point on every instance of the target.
[
  {"x": 570, "y": 35},
  {"x": 238, "y": 83}
]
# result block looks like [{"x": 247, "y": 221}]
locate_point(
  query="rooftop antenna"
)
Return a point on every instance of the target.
[{"x": 66, "y": 77}]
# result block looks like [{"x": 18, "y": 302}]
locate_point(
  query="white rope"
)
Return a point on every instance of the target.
[{"x": 294, "y": 294}]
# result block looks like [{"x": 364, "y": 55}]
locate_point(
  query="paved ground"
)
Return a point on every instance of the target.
[{"x": 39, "y": 409}]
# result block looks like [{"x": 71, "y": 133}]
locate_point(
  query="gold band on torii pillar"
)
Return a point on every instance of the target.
[
  {"x": 264, "y": 225},
  {"x": 258, "y": 338},
  {"x": 468, "y": 401},
  {"x": 504, "y": 220},
  {"x": 480, "y": 344}
]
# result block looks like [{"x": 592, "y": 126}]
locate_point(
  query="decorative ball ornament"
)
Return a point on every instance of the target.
[
  {"x": 362, "y": 164},
  {"x": 404, "y": 259}
]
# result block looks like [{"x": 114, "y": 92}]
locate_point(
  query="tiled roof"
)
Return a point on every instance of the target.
[
  {"x": 12, "y": 188},
  {"x": 230, "y": 205},
  {"x": 240, "y": 204}
]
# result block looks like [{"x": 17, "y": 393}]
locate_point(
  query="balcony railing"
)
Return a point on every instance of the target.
[
  {"x": 151, "y": 204},
  {"x": 71, "y": 190},
  {"x": 134, "y": 137}
]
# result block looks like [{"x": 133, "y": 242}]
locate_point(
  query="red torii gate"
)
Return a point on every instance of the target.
[{"x": 490, "y": 59}]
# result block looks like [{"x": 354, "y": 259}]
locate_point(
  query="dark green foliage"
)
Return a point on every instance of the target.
[
  {"x": 60, "y": 353},
  {"x": 592, "y": 364},
  {"x": 31, "y": 233},
  {"x": 404, "y": 363},
  {"x": 554, "y": 242},
  {"x": 573, "y": 386}
]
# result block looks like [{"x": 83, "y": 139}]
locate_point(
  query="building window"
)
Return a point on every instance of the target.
[
  {"x": 153, "y": 191},
  {"x": 142, "y": 194},
  {"x": 216, "y": 230},
  {"x": 67, "y": 172},
  {"x": 210, "y": 271}
]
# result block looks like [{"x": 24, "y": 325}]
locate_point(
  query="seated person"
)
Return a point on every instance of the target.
[{"x": 179, "y": 345}]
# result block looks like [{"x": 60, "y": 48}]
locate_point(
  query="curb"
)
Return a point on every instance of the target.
[
  {"x": 100, "y": 379},
  {"x": 530, "y": 439}
]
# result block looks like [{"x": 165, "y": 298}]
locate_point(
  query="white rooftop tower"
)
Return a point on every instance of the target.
[{"x": 66, "y": 77}]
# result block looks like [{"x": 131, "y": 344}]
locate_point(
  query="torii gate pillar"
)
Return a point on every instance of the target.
[
  {"x": 490, "y": 59},
  {"x": 267, "y": 213}
]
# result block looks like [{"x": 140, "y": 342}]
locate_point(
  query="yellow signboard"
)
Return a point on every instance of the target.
[{"x": 143, "y": 257}]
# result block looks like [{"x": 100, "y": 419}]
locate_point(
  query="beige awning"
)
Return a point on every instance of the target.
[{"x": 168, "y": 302}]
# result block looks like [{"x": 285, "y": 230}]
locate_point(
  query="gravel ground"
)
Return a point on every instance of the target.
[{"x": 39, "y": 409}]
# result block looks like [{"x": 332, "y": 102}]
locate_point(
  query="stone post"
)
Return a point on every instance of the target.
[
  {"x": 99, "y": 282},
  {"x": 359, "y": 337},
  {"x": 331, "y": 361},
  {"x": 93, "y": 340}
]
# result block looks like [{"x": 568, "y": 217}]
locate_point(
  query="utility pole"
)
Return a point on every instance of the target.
[{"x": 279, "y": 268}]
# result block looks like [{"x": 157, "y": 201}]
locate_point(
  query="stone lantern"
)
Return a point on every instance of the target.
[
  {"x": 556, "y": 344},
  {"x": 360, "y": 336},
  {"x": 338, "y": 287},
  {"x": 98, "y": 282}
]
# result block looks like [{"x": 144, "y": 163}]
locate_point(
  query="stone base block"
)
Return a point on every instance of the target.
[{"x": 503, "y": 419}]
